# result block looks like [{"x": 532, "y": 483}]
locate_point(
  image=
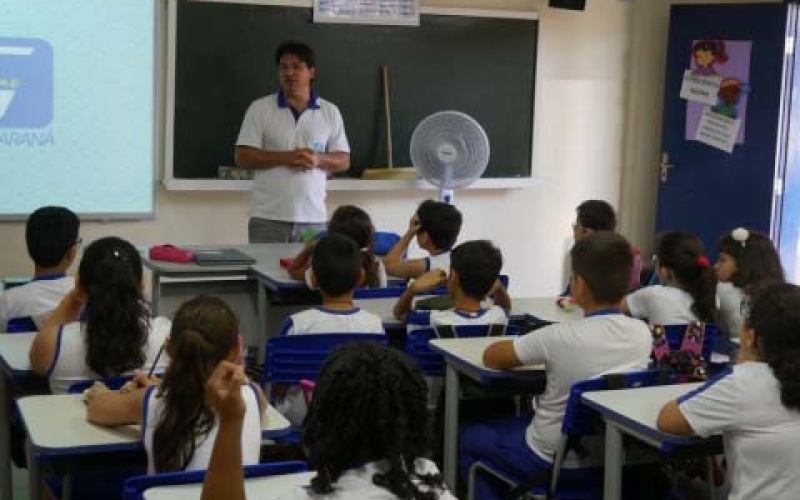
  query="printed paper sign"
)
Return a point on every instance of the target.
[
  {"x": 700, "y": 88},
  {"x": 718, "y": 130},
  {"x": 728, "y": 60}
]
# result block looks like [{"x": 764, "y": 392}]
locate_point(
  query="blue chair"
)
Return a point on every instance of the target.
[
  {"x": 432, "y": 363},
  {"x": 383, "y": 242},
  {"x": 136, "y": 486},
  {"x": 579, "y": 421},
  {"x": 293, "y": 358},
  {"x": 113, "y": 383},
  {"x": 22, "y": 324}
]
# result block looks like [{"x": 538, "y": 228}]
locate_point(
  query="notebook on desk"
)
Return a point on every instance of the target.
[{"x": 222, "y": 257}]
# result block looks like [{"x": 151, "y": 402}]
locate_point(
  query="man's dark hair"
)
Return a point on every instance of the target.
[
  {"x": 298, "y": 49},
  {"x": 441, "y": 221},
  {"x": 49, "y": 233},
  {"x": 596, "y": 215},
  {"x": 604, "y": 260},
  {"x": 478, "y": 264},
  {"x": 336, "y": 263}
]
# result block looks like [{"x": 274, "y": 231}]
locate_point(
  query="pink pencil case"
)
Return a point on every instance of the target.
[{"x": 171, "y": 253}]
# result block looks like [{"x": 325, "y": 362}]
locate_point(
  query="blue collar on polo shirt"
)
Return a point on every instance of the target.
[
  {"x": 604, "y": 312},
  {"x": 50, "y": 277},
  {"x": 312, "y": 103}
]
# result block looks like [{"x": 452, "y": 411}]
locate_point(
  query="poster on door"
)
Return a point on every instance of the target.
[{"x": 726, "y": 62}]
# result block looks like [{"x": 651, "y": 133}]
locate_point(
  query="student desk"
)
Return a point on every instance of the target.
[
  {"x": 57, "y": 425},
  {"x": 634, "y": 412},
  {"x": 172, "y": 284},
  {"x": 257, "y": 488},
  {"x": 465, "y": 357},
  {"x": 14, "y": 348}
]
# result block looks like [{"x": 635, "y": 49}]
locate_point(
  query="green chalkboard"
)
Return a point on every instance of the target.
[{"x": 482, "y": 66}]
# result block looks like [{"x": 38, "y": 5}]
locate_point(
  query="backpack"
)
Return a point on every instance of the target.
[{"x": 685, "y": 364}]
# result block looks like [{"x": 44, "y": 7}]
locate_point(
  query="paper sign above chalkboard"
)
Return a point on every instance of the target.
[{"x": 394, "y": 12}]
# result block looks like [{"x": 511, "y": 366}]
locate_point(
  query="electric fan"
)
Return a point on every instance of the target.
[{"x": 450, "y": 150}]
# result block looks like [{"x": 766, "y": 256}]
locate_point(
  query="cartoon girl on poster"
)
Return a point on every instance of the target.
[{"x": 706, "y": 54}]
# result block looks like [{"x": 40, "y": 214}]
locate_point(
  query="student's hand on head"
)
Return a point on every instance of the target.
[
  {"x": 429, "y": 281},
  {"x": 413, "y": 225},
  {"x": 223, "y": 391}
]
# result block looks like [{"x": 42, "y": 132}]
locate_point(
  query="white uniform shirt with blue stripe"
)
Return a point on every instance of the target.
[
  {"x": 69, "y": 363},
  {"x": 494, "y": 315},
  {"x": 284, "y": 193},
  {"x": 251, "y": 430},
  {"x": 36, "y": 299},
  {"x": 573, "y": 351},
  {"x": 761, "y": 436},
  {"x": 321, "y": 320},
  {"x": 661, "y": 305}
]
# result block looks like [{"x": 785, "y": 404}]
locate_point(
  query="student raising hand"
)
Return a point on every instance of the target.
[
  {"x": 224, "y": 393},
  {"x": 225, "y": 479}
]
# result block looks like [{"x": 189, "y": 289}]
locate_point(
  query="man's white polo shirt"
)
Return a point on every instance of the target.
[{"x": 282, "y": 193}]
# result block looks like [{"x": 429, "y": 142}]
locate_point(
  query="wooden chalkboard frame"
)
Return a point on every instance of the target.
[{"x": 171, "y": 182}]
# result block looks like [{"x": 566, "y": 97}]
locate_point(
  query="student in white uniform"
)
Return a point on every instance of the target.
[
  {"x": 367, "y": 432},
  {"x": 747, "y": 261},
  {"x": 51, "y": 235},
  {"x": 756, "y": 406},
  {"x": 102, "y": 328},
  {"x": 605, "y": 341},
  {"x": 435, "y": 225},
  {"x": 688, "y": 293},
  {"x": 473, "y": 277},
  {"x": 336, "y": 269},
  {"x": 354, "y": 222},
  {"x": 294, "y": 140},
  {"x": 178, "y": 426}
]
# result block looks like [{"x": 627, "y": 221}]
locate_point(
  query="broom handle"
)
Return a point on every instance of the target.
[{"x": 387, "y": 113}]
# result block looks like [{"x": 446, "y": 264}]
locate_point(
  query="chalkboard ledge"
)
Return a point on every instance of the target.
[{"x": 349, "y": 184}]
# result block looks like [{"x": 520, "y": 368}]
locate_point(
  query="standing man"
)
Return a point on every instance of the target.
[{"x": 294, "y": 139}]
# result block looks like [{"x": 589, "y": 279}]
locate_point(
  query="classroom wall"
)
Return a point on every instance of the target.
[{"x": 596, "y": 136}]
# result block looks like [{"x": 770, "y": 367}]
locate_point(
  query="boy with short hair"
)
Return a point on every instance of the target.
[
  {"x": 474, "y": 276},
  {"x": 436, "y": 226},
  {"x": 605, "y": 341},
  {"x": 336, "y": 270},
  {"x": 599, "y": 215},
  {"x": 51, "y": 235}
]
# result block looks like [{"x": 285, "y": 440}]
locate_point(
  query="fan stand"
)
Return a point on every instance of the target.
[{"x": 447, "y": 154}]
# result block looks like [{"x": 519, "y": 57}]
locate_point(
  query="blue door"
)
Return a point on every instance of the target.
[{"x": 703, "y": 189}]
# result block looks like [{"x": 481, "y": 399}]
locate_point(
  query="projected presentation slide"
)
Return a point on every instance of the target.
[{"x": 77, "y": 98}]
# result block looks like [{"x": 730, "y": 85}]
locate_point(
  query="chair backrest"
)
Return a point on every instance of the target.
[
  {"x": 579, "y": 419},
  {"x": 136, "y": 486},
  {"x": 113, "y": 383},
  {"x": 383, "y": 242},
  {"x": 292, "y": 358},
  {"x": 21, "y": 324},
  {"x": 431, "y": 362}
]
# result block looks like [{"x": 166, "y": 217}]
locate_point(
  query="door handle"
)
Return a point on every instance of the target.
[{"x": 664, "y": 166}]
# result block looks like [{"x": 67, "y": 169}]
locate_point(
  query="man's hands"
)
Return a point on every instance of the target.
[{"x": 304, "y": 159}]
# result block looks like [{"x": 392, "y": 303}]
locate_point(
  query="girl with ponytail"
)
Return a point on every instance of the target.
[
  {"x": 356, "y": 224},
  {"x": 688, "y": 293},
  {"x": 178, "y": 425},
  {"x": 102, "y": 328},
  {"x": 756, "y": 405}
]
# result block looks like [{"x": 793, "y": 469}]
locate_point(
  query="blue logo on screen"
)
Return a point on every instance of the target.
[{"x": 26, "y": 83}]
